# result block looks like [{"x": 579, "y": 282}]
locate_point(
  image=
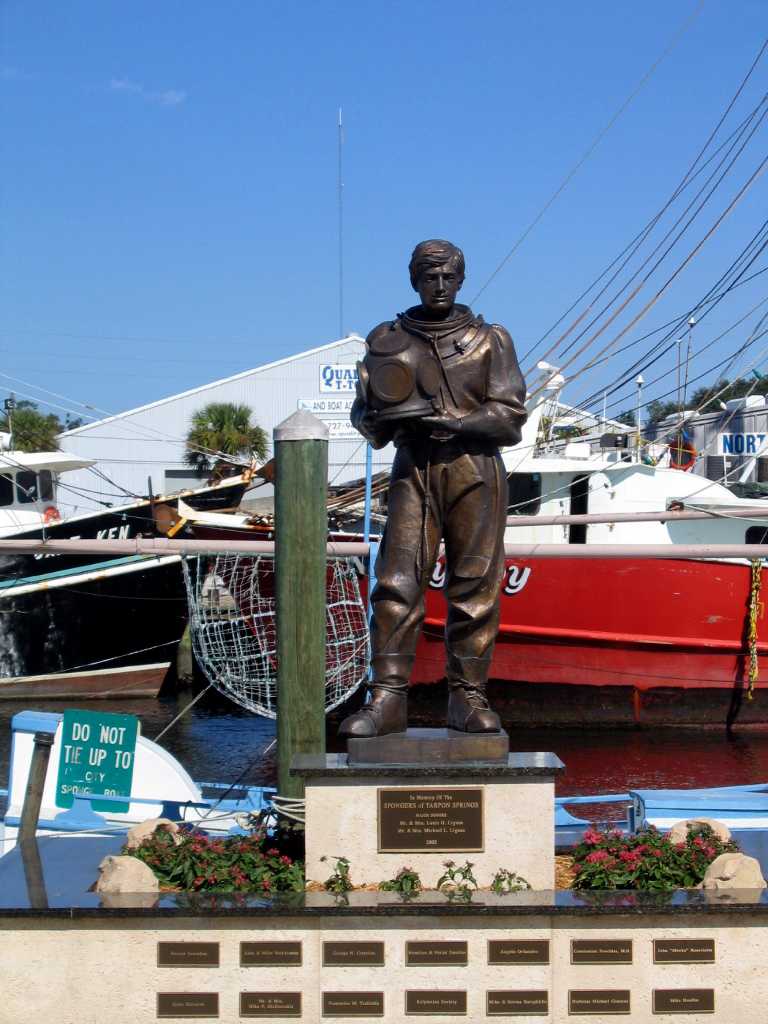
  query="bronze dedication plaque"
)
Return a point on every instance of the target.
[
  {"x": 270, "y": 954},
  {"x": 190, "y": 1005},
  {"x": 518, "y": 951},
  {"x": 429, "y": 1003},
  {"x": 601, "y": 951},
  {"x": 353, "y": 954},
  {"x": 683, "y": 951},
  {"x": 187, "y": 954},
  {"x": 600, "y": 1002},
  {"x": 520, "y": 1003},
  {"x": 435, "y": 954},
  {"x": 353, "y": 1004},
  {"x": 436, "y": 820},
  {"x": 270, "y": 1004},
  {"x": 683, "y": 1000}
]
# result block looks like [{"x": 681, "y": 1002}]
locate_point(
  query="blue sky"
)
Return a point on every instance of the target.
[{"x": 168, "y": 187}]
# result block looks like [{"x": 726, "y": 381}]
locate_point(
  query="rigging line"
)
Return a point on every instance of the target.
[
  {"x": 169, "y": 438},
  {"x": 655, "y": 298},
  {"x": 728, "y": 359},
  {"x": 565, "y": 488},
  {"x": 592, "y": 147},
  {"x": 653, "y": 354},
  {"x": 589, "y": 308},
  {"x": 685, "y": 181},
  {"x": 661, "y": 243},
  {"x": 682, "y": 317},
  {"x": 222, "y": 456}
]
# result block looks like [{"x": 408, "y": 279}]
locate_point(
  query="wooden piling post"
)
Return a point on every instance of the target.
[{"x": 301, "y": 533}]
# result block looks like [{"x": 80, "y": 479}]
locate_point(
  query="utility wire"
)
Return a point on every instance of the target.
[{"x": 592, "y": 147}]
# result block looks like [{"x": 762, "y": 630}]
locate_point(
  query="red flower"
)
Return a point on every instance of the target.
[
  {"x": 266, "y": 884},
  {"x": 592, "y": 836},
  {"x": 285, "y": 860},
  {"x": 657, "y": 853},
  {"x": 596, "y": 857}
]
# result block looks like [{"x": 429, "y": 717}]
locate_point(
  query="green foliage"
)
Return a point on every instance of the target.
[
  {"x": 457, "y": 881},
  {"x": 627, "y": 417},
  {"x": 406, "y": 882},
  {"x": 34, "y": 431},
  {"x": 508, "y": 881},
  {"x": 233, "y": 864},
  {"x": 226, "y": 428},
  {"x": 647, "y": 860},
  {"x": 339, "y": 882}
]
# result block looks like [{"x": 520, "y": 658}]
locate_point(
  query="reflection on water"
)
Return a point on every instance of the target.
[{"x": 219, "y": 742}]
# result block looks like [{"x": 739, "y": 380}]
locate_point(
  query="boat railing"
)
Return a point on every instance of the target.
[{"x": 158, "y": 546}]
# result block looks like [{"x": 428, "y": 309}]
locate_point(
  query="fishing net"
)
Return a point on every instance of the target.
[{"x": 231, "y": 601}]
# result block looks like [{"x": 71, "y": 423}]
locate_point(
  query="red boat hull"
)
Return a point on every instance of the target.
[{"x": 633, "y": 626}]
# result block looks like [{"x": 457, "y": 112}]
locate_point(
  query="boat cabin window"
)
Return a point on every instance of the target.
[
  {"x": 524, "y": 494},
  {"x": 26, "y": 487},
  {"x": 45, "y": 483},
  {"x": 579, "y": 491},
  {"x": 756, "y": 535},
  {"x": 6, "y": 490}
]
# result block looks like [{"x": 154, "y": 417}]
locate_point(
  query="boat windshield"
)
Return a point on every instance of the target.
[
  {"x": 26, "y": 487},
  {"x": 6, "y": 490}
]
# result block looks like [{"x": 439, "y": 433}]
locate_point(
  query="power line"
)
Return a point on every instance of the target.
[{"x": 592, "y": 147}]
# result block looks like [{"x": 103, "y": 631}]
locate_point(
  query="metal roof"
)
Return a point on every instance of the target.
[{"x": 212, "y": 384}]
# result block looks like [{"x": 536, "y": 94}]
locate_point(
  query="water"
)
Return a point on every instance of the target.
[{"x": 219, "y": 742}]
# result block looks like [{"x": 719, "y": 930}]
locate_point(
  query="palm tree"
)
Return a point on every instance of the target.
[
  {"x": 223, "y": 428},
  {"x": 33, "y": 431}
]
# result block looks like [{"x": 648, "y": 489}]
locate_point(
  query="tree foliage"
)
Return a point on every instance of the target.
[
  {"x": 34, "y": 431},
  {"x": 224, "y": 428}
]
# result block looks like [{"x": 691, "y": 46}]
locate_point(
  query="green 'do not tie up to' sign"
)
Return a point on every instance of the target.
[{"x": 97, "y": 755}]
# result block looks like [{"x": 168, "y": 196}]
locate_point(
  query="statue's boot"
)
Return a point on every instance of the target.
[
  {"x": 468, "y": 707},
  {"x": 387, "y": 709}
]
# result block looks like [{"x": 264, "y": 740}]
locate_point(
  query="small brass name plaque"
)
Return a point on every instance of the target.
[
  {"x": 683, "y": 951},
  {"x": 518, "y": 951},
  {"x": 448, "y": 954},
  {"x": 683, "y": 1000},
  {"x": 520, "y": 1003},
  {"x": 353, "y": 1004},
  {"x": 601, "y": 951},
  {"x": 430, "y": 820},
  {"x": 187, "y": 954},
  {"x": 270, "y": 954},
  {"x": 270, "y": 1004},
  {"x": 599, "y": 1001},
  {"x": 195, "y": 1005},
  {"x": 429, "y": 1003},
  {"x": 353, "y": 954}
]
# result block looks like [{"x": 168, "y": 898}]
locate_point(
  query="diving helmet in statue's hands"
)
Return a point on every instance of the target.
[{"x": 399, "y": 377}]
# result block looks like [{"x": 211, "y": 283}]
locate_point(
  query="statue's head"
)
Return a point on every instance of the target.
[{"x": 437, "y": 274}]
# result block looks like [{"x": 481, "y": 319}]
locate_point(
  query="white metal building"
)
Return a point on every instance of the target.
[{"x": 148, "y": 443}]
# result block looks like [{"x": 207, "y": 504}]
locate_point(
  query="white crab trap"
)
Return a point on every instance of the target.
[{"x": 231, "y": 601}]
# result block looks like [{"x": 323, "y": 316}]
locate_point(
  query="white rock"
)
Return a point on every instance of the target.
[
  {"x": 679, "y": 831},
  {"x": 733, "y": 871},
  {"x": 145, "y": 829},
  {"x": 125, "y": 874}
]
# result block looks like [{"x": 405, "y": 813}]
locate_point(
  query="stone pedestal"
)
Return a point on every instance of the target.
[{"x": 383, "y": 817}]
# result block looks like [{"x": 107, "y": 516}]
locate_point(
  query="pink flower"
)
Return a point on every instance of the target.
[
  {"x": 596, "y": 856},
  {"x": 629, "y": 856},
  {"x": 657, "y": 853},
  {"x": 592, "y": 837}
]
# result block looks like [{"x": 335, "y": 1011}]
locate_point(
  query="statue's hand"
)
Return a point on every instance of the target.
[{"x": 443, "y": 423}]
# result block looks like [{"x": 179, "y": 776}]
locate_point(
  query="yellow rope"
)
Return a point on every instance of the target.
[{"x": 754, "y": 611}]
